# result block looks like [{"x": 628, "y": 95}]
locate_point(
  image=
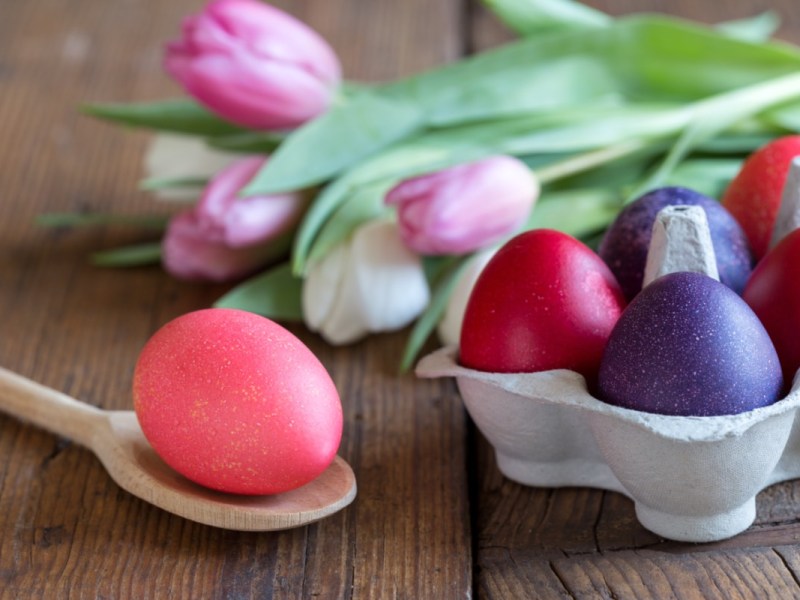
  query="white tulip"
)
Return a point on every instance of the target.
[
  {"x": 369, "y": 284},
  {"x": 172, "y": 156},
  {"x": 449, "y": 328}
]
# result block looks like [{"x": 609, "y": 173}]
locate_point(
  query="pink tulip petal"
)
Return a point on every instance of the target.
[
  {"x": 464, "y": 208},
  {"x": 188, "y": 253},
  {"x": 254, "y": 65},
  {"x": 253, "y": 220},
  {"x": 225, "y": 237},
  {"x": 221, "y": 193},
  {"x": 273, "y": 34},
  {"x": 257, "y": 95}
]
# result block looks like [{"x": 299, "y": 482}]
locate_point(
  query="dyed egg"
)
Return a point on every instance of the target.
[
  {"x": 236, "y": 403},
  {"x": 544, "y": 301},
  {"x": 773, "y": 293},
  {"x": 688, "y": 345},
  {"x": 625, "y": 245},
  {"x": 754, "y": 195}
]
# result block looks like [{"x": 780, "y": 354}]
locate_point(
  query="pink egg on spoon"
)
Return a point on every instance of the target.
[
  {"x": 229, "y": 400},
  {"x": 235, "y": 402}
]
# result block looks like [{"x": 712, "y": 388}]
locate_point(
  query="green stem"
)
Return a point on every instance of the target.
[
  {"x": 589, "y": 160},
  {"x": 93, "y": 219},
  {"x": 156, "y": 183},
  {"x": 713, "y": 115},
  {"x": 701, "y": 121},
  {"x": 138, "y": 255}
]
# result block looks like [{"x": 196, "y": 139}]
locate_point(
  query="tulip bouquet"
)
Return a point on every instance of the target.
[{"x": 363, "y": 208}]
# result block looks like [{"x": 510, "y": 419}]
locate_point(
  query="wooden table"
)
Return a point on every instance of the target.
[{"x": 433, "y": 517}]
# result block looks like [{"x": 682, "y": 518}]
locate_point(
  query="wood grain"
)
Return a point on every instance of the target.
[
  {"x": 433, "y": 518},
  {"x": 66, "y": 530}
]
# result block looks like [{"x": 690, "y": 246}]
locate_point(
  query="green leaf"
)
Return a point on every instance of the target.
[
  {"x": 149, "y": 185},
  {"x": 427, "y": 321},
  {"x": 346, "y": 134},
  {"x": 627, "y": 126},
  {"x": 754, "y": 29},
  {"x": 589, "y": 137},
  {"x": 619, "y": 165},
  {"x": 497, "y": 82},
  {"x": 733, "y": 143},
  {"x": 436, "y": 267},
  {"x": 652, "y": 58},
  {"x": 593, "y": 239},
  {"x": 576, "y": 212},
  {"x": 94, "y": 219},
  {"x": 709, "y": 176},
  {"x": 715, "y": 114},
  {"x": 275, "y": 294},
  {"x": 568, "y": 80},
  {"x": 616, "y": 174},
  {"x": 692, "y": 136},
  {"x": 786, "y": 116},
  {"x": 363, "y": 204},
  {"x": 179, "y": 116},
  {"x": 519, "y": 77},
  {"x": 663, "y": 58},
  {"x": 247, "y": 142},
  {"x": 579, "y": 163},
  {"x": 533, "y": 16},
  {"x": 138, "y": 255}
]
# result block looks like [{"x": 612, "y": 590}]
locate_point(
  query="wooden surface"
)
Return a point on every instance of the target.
[
  {"x": 117, "y": 440},
  {"x": 433, "y": 518}
]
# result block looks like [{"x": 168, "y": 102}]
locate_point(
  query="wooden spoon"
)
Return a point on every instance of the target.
[{"x": 117, "y": 440}]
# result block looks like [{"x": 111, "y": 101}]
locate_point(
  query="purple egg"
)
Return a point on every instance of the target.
[
  {"x": 688, "y": 345},
  {"x": 624, "y": 247}
]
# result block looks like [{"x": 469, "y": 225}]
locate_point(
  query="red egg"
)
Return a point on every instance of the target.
[
  {"x": 754, "y": 195},
  {"x": 773, "y": 292},
  {"x": 236, "y": 403},
  {"x": 544, "y": 301}
]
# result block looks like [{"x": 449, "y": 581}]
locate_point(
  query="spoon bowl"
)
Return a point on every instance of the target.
[{"x": 117, "y": 440}]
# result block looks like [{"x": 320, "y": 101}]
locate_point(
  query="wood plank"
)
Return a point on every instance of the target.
[
  {"x": 66, "y": 531},
  {"x": 582, "y": 543}
]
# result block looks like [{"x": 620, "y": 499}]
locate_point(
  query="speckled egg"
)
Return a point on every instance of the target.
[
  {"x": 625, "y": 245},
  {"x": 688, "y": 345},
  {"x": 235, "y": 402},
  {"x": 544, "y": 301}
]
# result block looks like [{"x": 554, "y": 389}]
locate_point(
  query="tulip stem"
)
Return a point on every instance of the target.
[
  {"x": 589, "y": 160},
  {"x": 96, "y": 219},
  {"x": 138, "y": 255}
]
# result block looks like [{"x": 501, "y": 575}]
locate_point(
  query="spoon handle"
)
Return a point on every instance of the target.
[{"x": 47, "y": 408}]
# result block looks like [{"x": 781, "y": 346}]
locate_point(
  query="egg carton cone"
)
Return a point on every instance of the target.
[{"x": 691, "y": 479}]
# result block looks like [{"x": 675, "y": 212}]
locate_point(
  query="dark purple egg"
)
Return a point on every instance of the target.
[
  {"x": 624, "y": 247},
  {"x": 688, "y": 345}
]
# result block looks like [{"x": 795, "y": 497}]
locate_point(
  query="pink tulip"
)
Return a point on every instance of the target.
[
  {"x": 254, "y": 65},
  {"x": 225, "y": 237},
  {"x": 465, "y": 207}
]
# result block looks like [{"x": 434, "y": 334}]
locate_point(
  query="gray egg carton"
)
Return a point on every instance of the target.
[{"x": 692, "y": 479}]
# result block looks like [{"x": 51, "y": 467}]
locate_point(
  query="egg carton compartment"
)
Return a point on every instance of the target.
[{"x": 691, "y": 479}]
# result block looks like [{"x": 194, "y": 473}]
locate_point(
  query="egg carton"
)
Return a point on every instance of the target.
[{"x": 691, "y": 479}]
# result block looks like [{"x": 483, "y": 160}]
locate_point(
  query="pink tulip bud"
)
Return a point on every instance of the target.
[
  {"x": 225, "y": 237},
  {"x": 466, "y": 207},
  {"x": 254, "y": 65}
]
